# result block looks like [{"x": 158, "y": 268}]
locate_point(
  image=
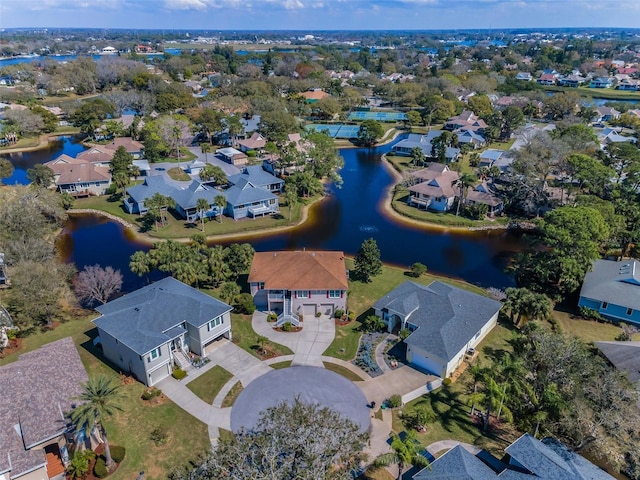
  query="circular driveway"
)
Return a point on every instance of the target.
[{"x": 313, "y": 385}]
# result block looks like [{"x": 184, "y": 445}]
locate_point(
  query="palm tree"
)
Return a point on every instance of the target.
[
  {"x": 405, "y": 452},
  {"x": 202, "y": 205},
  {"x": 139, "y": 264},
  {"x": 206, "y": 148},
  {"x": 100, "y": 402},
  {"x": 477, "y": 372},
  {"x": 262, "y": 340},
  {"x": 220, "y": 201},
  {"x": 121, "y": 180},
  {"x": 466, "y": 180},
  {"x": 291, "y": 196},
  {"x": 418, "y": 156},
  {"x": 177, "y": 134}
]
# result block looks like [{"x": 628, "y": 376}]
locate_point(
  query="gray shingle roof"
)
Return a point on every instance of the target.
[
  {"x": 447, "y": 317},
  {"x": 456, "y": 464},
  {"x": 186, "y": 198},
  {"x": 424, "y": 142},
  {"x": 37, "y": 391},
  {"x": 146, "y": 318},
  {"x": 257, "y": 176},
  {"x": 614, "y": 282},
  {"x": 245, "y": 192},
  {"x": 624, "y": 356}
]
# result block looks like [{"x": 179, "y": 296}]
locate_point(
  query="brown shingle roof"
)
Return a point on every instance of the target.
[
  {"x": 128, "y": 143},
  {"x": 307, "y": 270},
  {"x": 37, "y": 391},
  {"x": 314, "y": 95}
]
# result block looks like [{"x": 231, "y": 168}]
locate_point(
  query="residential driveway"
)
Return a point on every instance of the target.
[
  {"x": 308, "y": 345},
  {"x": 227, "y": 168},
  {"x": 242, "y": 365},
  {"x": 400, "y": 381}
]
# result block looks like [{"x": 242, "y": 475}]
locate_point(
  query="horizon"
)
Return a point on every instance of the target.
[{"x": 318, "y": 15}]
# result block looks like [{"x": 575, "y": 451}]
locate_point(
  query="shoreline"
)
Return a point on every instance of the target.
[{"x": 43, "y": 142}]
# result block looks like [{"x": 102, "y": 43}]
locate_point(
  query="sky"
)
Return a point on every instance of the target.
[{"x": 313, "y": 15}]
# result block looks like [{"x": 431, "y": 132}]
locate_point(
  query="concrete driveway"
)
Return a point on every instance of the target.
[
  {"x": 399, "y": 381},
  {"x": 308, "y": 345}
]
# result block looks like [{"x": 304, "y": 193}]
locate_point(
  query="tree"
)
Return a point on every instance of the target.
[
  {"x": 91, "y": 113},
  {"x": 99, "y": 402},
  {"x": 276, "y": 124},
  {"x": 122, "y": 162},
  {"x": 41, "y": 175},
  {"x": 370, "y": 132},
  {"x": 326, "y": 446},
  {"x": 206, "y": 148},
  {"x": 291, "y": 197},
  {"x": 229, "y": 292},
  {"x": 213, "y": 173},
  {"x": 139, "y": 264},
  {"x": 261, "y": 340},
  {"x": 465, "y": 181},
  {"x": 6, "y": 169},
  {"x": 417, "y": 156},
  {"x": 418, "y": 269},
  {"x": 202, "y": 205},
  {"x": 157, "y": 205},
  {"x": 239, "y": 257},
  {"x": 97, "y": 284},
  {"x": 367, "y": 261},
  {"x": 220, "y": 201},
  {"x": 405, "y": 452}
]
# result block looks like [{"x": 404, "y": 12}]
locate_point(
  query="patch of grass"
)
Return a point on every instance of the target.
[
  {"x": 345, "y": 342},
  {"x": 281, "y": 365},
  {"x": 131, "y": 428},
  {"x": 225, "y": 435},
  {"x": 246, "y": 338},
  {"x": 378, "y": 414},
  {"x": 23, "y": 142},
  {"x": 345, "y": 372},
  {"x": 376, "y": 474},
  {"x": 588, "y": 330},
  {"x": 607, "y": 93},
  {"x": 208, "y": 385},
  {"x": 230, "y": 399},
  {"x": 185, "y": 156},
  {"x": 176, "y": 173}
]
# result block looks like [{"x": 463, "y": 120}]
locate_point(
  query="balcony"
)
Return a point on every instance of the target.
[{"x": 262, "y": 210}]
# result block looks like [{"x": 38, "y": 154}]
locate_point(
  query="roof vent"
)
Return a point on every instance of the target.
[{"x": 136, "y": 309}]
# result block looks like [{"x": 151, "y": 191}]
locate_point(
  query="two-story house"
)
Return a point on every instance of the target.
[{"x": 149, "y": 331}]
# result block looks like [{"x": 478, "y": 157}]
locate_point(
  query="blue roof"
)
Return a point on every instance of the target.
[
  {"x": 256, "y": 175},
  {"x": 244, "y": 192},
  {"x": 186, "y": 198},
  {"x": 424, "y": 142},
  {"x": 447, "y": 317},
  {"x": 458, "y": 464},
  {"x": 151, "y": 316},
  {"x": 491, "y": 154}
]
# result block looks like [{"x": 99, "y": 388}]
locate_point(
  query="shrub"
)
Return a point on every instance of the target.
[
  {"x": 352, "y": 316},
  {"x": 178, "y": 373},
  {"x": 245, "y": 304},
  {"x": 150, "y": 393},
  {"x": 100, "y": 468},
  {"x": 418, "y": 269},
  {"x": 118, "y": 453},
  {"x": 79, "y": 466},
  {"x": 272, "y": 317},
  {"x": 404, "y": 333},
  {"x": 338, "y": 313},
  {"x": 252, "y": 154},
  {"x": 158, "y": 436},
  {"x": 286, "y": 327},
  {"x": 591, "y": 314},
  {"x": 446, "y": 381},
  {"x": 373, "y": 323},
  {"x": 111, "y": 189},
  {"x": 394, "y": 401}
]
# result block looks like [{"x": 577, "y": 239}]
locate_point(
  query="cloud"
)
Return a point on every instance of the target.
[{"x": 185, "y": 4}]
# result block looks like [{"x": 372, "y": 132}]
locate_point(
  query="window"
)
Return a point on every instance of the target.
[
  {"x": 260, "y": 285},
  {"x": 334, "y": 293},
  {"x": 216, "y": 322},
  {"x": 155, "y": 353},
  {"x": 629, "y": 311},
  {"x": 302, "y": 294},
  {"x": 604, "y": 305}
]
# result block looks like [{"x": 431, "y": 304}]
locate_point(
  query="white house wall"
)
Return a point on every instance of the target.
[{"x": 473, "y": 343}]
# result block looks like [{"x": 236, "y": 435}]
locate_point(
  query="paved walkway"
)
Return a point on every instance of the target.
[
  {"x": 242, "y": 365},
  {"x": 380, "y": 354},
  {"x": 308, "y": 344},
  {"x": 436, "y": 447}
]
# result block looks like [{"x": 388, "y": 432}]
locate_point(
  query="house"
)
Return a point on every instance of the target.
[
  {"x": 232, "y": 156},
  {"x": 526, "y": 459},
  {"x": 547, "y": 79},
  {"x": 470, "y": 137},
  {"x": 254, "y": 142},
  {"x": 424, "y": 143},
  {"x": 132, "y": 146},
  {"x": 314, "y": 95},
  {"x": 195, "y": 166},
  {"x": 147, "y": 332},
  {"x": 301, "y": 282},
  {"x": 79, "y": 177},
  {"x": 490, "y": 156},
  {"x": 466, "y": 120},
  {"x": 482, "y": 194},
  {"x": 606, "y": 114},
  {"x": 571, "y": 81},
  {"x": 98, "y": 155},
  {"x": 109, "y": 51},
  {"x": 434, "y": 188},
  {"x": 244, "y": 199},
  {"x": 185, "y": 198},
  {"x": 628, "y": 84},
  {"x": 601, "y": 82},
  {"x": 612, "y": 135},
  {"x": 525, "y": 76},
  {"x": 625, "y": 356},
  {"x": 445, "y": 322},
  {"x": 613, "y": 290},
  {"x": 38, "y": 390},
  {"x": 258, "y": 177}
]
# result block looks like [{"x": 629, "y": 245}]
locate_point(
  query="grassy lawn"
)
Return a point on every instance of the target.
[
  {"x": 588, "y": 330},
  {"x": 208, "y": 385},
  {"x": 230, "y": 399},
  {"x": 340, "y": 370},
  {"x": 399, "y": 204},
  {"x": 178, "y": 174},
  {"x": 502, "y": 145},
  {"x": 185, "y": 156},
  {"x": 281, "y": 365},
  {"x": 131, "y": 428},
  {"x": 246, "y": 338},
  {"x": 179, "y": 228},
  {"x": 608, "y": 93},
  {"x": 23, "y": 142}
]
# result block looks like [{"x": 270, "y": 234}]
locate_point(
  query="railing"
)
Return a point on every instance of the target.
[
  {"x": 275, "y": 296},
  {"x": 261, "y": 210},
  {"x": 419, "y": 201},
  {"x": 287, "y": 315}
]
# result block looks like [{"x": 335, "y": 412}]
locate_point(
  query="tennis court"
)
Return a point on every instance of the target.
[
  {"x": 380, "y": 116},
  {"x": 336, "y": 130}
]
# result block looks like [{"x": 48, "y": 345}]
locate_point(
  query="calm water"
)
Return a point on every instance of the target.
[{"x": 348, "y": 216}]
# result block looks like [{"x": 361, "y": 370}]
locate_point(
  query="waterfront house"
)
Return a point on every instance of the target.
[
  {"x": 445, "y": 323},
  {"x": 38, "y": 391},
  {"x": 606, "y": 114},
  {"x": 244, "y": 199},
  {"x": 424, "y": 143},
  {"x": 135, "y": 148},
  {"x": 258, "y": 177},
  {"x": 302, "y": 282},
  {"x": 601, "y": 82},
  {"x": 149, "y": 331},
  {"x": 573, "y": 81},
  {"x": 547, "y": 79},
  {"x": 232, "y": 156},
  {"x": 628, "y": 84},
  {"x": 98, "y": 155},
  {"x": 526, "y": 459},
  {"x": 466, "y": 120},
  {"x": 434, "y": 188},
  {"x": 79, "y": 177},
  {"x": 613, "y": 290},
  {"x": 482, "y": 194},
  {"x": 525, "y": 76}
]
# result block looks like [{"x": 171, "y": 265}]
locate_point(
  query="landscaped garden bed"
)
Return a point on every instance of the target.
[{"x": 366, "y": 356}]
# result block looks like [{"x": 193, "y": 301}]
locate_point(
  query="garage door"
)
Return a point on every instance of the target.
[
  {"x": 159, "y": 374},
  {"x": 426, "y": 363},
  {"x": 309, "y": 310},
  {"x": 327, "y": 309}
]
